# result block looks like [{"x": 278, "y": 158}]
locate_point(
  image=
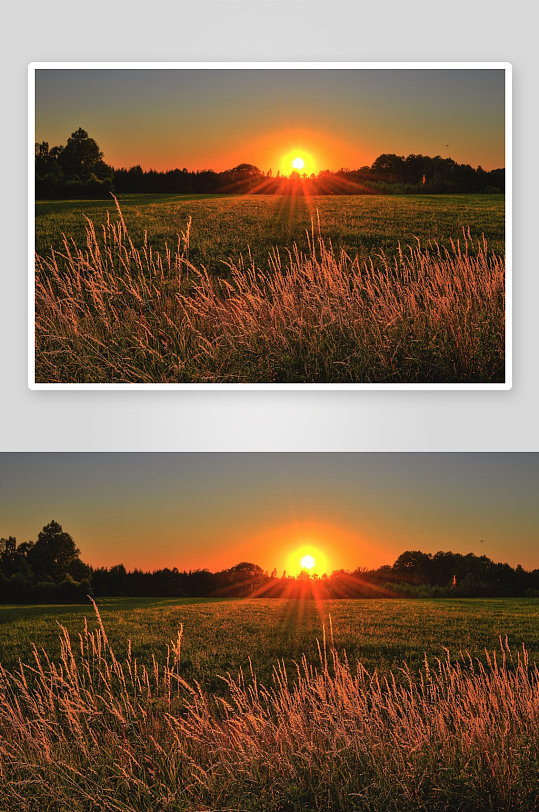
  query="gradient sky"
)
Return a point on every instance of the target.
[
  {"x": 153, "y": 510},
  {"x": 219, "y": 118}
]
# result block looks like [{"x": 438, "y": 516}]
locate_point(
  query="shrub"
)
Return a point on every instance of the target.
[
  {"x": 70, "y": 590},
  {"x": 14, "y": 589}
]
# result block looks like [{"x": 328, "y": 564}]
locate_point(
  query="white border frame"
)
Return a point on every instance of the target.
[{"x": 506, "y": 66}]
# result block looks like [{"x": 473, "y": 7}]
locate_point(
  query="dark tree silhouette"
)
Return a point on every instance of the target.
[
  {"x": 78, "y": 170},
  {"x": 80, "y": 156},
  {"x": 390, "y": 167},
  {"x": 55, "y": 555}
]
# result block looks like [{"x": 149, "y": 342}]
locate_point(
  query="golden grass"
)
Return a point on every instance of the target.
[
  {"x": 114, "y": 313},
  {"x": 94, "y": 733}
]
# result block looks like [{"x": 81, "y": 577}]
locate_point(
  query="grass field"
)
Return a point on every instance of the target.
[
  {"x": 221, "y": 635},
  {"x": 87, "y": 727},
  {"x": 224, "y": 228},
  {"x": 268, "y": 290}
]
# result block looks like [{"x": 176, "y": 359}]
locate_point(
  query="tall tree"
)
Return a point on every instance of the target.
[
  {"x": 81, "y": 156},
  {"x": 55, "y": 554},
  {"x": 390, "y": 167}
]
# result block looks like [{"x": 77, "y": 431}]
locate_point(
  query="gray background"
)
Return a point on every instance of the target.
[{"x": 296, "y": 30}]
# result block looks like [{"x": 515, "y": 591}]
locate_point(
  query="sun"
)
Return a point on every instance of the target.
[
  {"x": 309, "y": 554},
  {"x": 297, "y": 160}
]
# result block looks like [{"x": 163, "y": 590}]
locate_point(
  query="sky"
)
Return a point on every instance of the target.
[
  {"x": 218, "y": 118},
  {"x": 215, "y": 510}
]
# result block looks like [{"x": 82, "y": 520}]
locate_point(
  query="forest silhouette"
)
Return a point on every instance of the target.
[
  {"x": 51, "y": 570},
  {"x": 78, "y": 170}
]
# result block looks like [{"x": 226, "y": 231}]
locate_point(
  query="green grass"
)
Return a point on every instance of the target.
[
  {"x": 220, "y": 635},
  {"x": 224, "y": 227}
]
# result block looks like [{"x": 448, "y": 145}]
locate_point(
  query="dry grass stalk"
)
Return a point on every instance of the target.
[
  {"x": 113, "y": 313},
  {"x": 93, "y": 733}
]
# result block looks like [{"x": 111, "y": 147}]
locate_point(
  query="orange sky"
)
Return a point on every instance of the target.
[
  {"x": 216, "y": 119},
  {"x": 203, "y": 510}
]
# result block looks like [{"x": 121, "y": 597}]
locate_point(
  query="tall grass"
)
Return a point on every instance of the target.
[
  {"x": 93, "y": 733},
  {"x": 111, "y": 312}
]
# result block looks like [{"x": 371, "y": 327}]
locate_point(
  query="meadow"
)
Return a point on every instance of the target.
[
  {"x": 397, "y": 706},
  {"x": 223, "y": 228},
  {"x": 221, "y": 635},
  {"x": 264, "y": 289}
]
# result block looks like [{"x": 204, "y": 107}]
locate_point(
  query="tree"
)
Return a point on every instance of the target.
[
  {"x": 246, "y": 170},
  {"x": 42, "y": 158},
  {"x": 54, "y": 555},
  {"x": 444, "y": 566},
  {"x": 8, "y": 546},
  {"x": 414, "y": 565},
  {"x": 390, "y": 167},
  {"x": 81, "y": 157},
  {"x": 415, "y": 168}
]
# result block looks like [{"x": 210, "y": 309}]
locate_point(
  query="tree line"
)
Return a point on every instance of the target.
[
  {"x": 79, "y": 171},
  {"x": 50, "y": 570}
]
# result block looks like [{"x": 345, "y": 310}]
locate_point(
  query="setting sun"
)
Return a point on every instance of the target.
[
  {"x": 308, "y": 555},
  {"x": 297, "y": 160}
]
